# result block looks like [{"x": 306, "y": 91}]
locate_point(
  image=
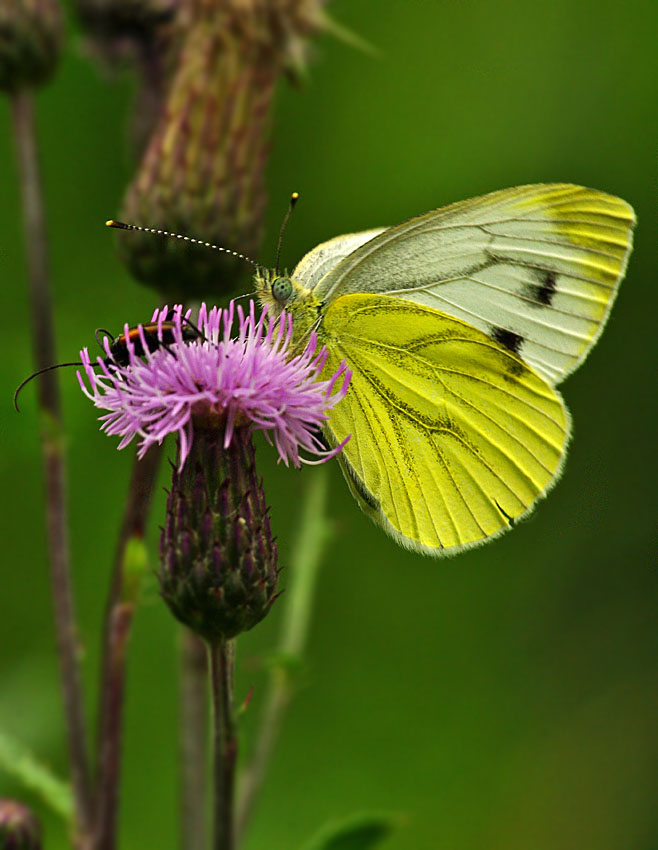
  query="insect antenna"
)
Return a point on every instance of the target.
[
  {"x": 121, "y": 225},
  {"x": 199, "y": 332},
  {"x": 40, "y": 372},
  {"x": 99, "y": 331},
  {"x": 291, "y": 206}
]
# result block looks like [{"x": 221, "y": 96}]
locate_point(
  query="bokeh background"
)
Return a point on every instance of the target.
[{"x": 505, "y": 699}]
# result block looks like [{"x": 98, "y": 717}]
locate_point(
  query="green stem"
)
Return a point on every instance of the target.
[
  {"x": 193, "y": 740},
  {"x": 68, "y": 651},
  {"x": 299, "y": 595},
  {"x": 225, "y": 742}
]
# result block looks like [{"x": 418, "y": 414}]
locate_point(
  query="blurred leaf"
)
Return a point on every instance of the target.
[
  {"x": 135, "y": 566},
  {"x": 285, "y": 662},
  {"x": 361, "y": 831},
  {"x": 19, "y": 763},
  {"x": 347, "y": 36}
]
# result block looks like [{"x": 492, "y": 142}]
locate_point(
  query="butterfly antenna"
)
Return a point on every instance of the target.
[
  {"x": 40, "y": 372},
  {"x": 245, "y": 295},
  {"x": 291, "y": 206},
  {"x": 121, "y": 225}
]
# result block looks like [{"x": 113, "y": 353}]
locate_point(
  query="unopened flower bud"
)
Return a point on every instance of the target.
[
  {"x": 30, "y": 38},
  {"x": 19, "y": 828},
  {"x": 219, "y": 569}
]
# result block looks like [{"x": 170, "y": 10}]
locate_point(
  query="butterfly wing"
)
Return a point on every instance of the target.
[
  {"x": 453, "y": 435},
  {"x": 534, "y": 267},
  {"x": 315, "y": 265}
]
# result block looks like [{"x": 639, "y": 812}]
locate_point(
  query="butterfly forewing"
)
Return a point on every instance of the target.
[
  {"x": 536, "y": 268},
  {"x": 453, "y": 436},
  {"x": 315, "y": 265}
]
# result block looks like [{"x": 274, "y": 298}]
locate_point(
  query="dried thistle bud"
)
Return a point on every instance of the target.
[
  {"x": 202, "y": 172},
  {"x": 19, "y": 828},
  {"x": 30, "y": 39}
]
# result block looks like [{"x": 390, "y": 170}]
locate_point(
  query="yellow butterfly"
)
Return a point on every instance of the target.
[{"x": 458, "y": 324}]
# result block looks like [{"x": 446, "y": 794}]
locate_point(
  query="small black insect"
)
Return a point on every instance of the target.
[{"x": 119, "y": 354}]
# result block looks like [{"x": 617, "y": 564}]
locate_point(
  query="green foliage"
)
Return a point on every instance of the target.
[
  {"x": 135, "y": 564},
  {"x": 21, "y": 764},
  {"x": 362, "y": 831}
]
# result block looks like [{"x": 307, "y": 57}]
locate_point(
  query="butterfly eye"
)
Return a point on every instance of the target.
[{"x": 281, "y": 288}]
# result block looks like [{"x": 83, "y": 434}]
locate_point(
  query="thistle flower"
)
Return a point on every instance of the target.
[
  {"x": 219, "y": 568},
  {"x": 253, "y": 380}
]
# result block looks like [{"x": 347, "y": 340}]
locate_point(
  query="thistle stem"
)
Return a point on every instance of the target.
[
  {"x": 225, "y": 742},
  {"x": 193, "y": 741},
  {"x": 120, "y": 607},
  {"x": 22, "y": 109},
  {"x": 305, "y": 562}
]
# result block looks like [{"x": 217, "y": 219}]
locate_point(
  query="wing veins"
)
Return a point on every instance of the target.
[
  {"x": 521, "y": 297},
  {"x": 522, "y": 473},
  {"x": 462, "y": 309},
  {"x": 566, "y": 243},
  {"x": 447, "y": 471},
  {"x": 365, "y": 373},
  {"x": 382, "y": 465},
  {"x": 471, "y": 377}
]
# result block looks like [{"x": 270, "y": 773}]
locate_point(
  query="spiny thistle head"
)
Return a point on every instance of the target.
[
  {"x": 218, "y": 558},
  {"x": 19, "y": 828},
  {"x": 30, "y": 39}
]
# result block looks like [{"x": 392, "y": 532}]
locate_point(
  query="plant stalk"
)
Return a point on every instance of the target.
[
  {"x": 225, "y": 742},
  {"x": 307, "y": 555},
  {"x": 52, "y": 439},
  {"x": 193, "y": 740},
  {"x": 120, "y": 607}
]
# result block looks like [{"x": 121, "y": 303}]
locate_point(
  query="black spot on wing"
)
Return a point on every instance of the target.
[
  {"x": 543, "y": 292},
  {"x": 511, "y": 340},
  {"x": 510, "y": 519}
]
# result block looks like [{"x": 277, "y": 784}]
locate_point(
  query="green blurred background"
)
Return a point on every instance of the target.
[{"x": 505, "y": 699}]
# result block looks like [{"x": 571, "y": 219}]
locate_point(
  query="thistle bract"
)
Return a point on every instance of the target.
[{"x": 218, "y": 559}]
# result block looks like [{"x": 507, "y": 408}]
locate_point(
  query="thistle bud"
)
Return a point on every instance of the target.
[
  {"x": 218, "y": 570},
  {"x": 19, "y": 828},
  {"x": 30, "y": 38},
  {"x": 202, "y": 173}
]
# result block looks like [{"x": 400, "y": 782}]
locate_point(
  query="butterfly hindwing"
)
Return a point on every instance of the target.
[
  {"x": 453, "y": 436},
  {"x": 534, "y": 267}
]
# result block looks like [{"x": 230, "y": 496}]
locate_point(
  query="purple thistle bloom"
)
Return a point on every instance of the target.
[{"x": 251, "y": 380}]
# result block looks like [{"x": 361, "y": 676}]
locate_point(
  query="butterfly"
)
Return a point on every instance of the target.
[{"x": 458, "y": 325}]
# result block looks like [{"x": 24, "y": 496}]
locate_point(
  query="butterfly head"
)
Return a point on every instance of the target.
[{"x": 275, "y": 290}]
